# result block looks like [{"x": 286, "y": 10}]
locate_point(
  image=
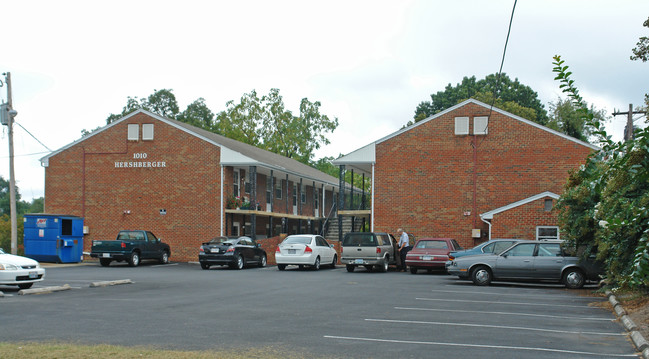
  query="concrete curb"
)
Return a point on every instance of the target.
[
  {"x": 110, "y": 282},
  {"x": 44, "y": 290},
  {"x": 638, "y": 340}
]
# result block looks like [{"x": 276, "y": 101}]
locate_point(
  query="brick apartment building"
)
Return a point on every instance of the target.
[
  {"x": 468, "y": 173},
  {"x": 145, "y": 171}
]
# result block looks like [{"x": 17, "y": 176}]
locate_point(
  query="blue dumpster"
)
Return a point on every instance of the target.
[{"x": 53, "y": 238}]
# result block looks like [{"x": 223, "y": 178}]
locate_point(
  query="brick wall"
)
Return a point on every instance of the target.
[
  {"x": 84, "y": 180},
  {"x": 425, "y": 178}
]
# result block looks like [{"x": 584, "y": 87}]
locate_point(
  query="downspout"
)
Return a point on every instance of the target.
[
  {"x": 372, "y": 212},
  {"x": 489, "y": 224},
  {"x": 221, "y": 211}
]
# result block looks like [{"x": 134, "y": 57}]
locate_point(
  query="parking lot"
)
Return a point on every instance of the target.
[{"x": 328, "y": 313}]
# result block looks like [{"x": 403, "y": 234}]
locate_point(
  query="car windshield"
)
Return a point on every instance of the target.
[
  {"x": 297, "y": 239},
  {"x": 361, "y": 239},
  {"x": 432, "y": 245}
]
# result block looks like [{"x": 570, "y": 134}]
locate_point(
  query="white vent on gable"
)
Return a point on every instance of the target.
[
  {"x": 480, "y": 125},
  {"x": 133, "y": 132},
  {"x": 461, "y": 125},
  {"x": 147, "y": 131}
]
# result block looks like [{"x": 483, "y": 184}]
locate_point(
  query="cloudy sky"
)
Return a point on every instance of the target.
[{"x": 369, "y": 63}]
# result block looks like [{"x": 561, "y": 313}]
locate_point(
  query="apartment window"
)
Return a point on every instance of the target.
[
  {"x": 133, "y": 132},
  {"x": 235, "y": 180},
  {"x": 147, "y": 132},
  {"x": 461, "y": 125},
  {"x": 480, "y": 125},
  {"x": 269, "y": 188},
  {"x": 294, "y": 194},
  {"x": 545, "y": 233},
  {"x": 278, "y": 188},
  {"x": 303, "y": 193}
]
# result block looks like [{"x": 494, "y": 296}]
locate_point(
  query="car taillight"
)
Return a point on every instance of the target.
[
  {"x": 230, "y": 250},
  {"x": 451, "y": 258},
  {"x": 378, "y": 250},
  {"x": 308, "y": 249},
  {"x": 123, "y": 245},
  {"x": 202, "y": 250},
  {"x": 277, "y": 250}
]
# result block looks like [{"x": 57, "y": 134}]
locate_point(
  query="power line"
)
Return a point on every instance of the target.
[{"x": 37, "y": 140}]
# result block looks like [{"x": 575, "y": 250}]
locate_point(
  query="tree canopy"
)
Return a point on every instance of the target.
[
  {"x": 565, "y": 117},
  {"x": 259, "y": 121},
  {"x": 511, "y": 96}
]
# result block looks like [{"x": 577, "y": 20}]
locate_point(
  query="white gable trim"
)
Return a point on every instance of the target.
[
  {"x": 490, "y": 215},
  {"x": 495, "y": 109}
]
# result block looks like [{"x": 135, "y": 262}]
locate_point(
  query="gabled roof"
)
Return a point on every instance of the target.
[
  {"x": 364, "y": 157},
  {"x": 233, "y": 152},
  {"x": 490, "y": 214}
]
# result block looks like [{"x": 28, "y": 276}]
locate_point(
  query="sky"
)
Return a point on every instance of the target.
[{"x": 369, "y": 63}]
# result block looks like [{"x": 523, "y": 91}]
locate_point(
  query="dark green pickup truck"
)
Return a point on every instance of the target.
[{"x": 131, "y": 246}]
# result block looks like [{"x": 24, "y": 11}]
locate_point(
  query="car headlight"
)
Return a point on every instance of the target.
[{"x": 6, "y": 266}]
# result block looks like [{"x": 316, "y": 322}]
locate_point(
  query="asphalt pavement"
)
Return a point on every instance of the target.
[{"x": 327, "y": 313}]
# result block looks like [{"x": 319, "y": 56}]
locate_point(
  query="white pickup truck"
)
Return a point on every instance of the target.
[{"x": 368, "y": 249}]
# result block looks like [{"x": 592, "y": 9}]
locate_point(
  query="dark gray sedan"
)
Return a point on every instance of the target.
[{"x": 527, "y": 261}]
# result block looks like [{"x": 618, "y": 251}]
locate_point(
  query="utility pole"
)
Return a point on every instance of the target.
[
  {"x": 8, "y": 120},
  {"x": 628, "y": 132}
]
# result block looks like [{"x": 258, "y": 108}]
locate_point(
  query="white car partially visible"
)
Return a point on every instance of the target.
[
  {"x": 20, "y": 271},
  {"x": 305, "y": 249}
]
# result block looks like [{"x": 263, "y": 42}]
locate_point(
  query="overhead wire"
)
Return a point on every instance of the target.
[{"x": 502, "y": 62}]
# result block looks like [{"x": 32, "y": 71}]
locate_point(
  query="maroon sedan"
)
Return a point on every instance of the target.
[{"x": 430, "y": 254}]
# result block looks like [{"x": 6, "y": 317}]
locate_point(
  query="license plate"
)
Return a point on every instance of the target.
[
  {"x": 428, "y": 258},
  {"x": 359, "y": 261},
  {"x": 291, "y": 251},
  {"x": 106, "y": 255},
  {"x": 33, "y": 274},
  {"x": 214, "y": 250}
]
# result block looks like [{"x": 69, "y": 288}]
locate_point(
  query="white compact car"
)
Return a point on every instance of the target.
[
  {"x": 20, "y": 271},
  {"x": 305, "y": 249}
]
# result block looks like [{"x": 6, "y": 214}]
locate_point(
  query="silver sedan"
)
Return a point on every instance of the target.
[{"x": 527, "y": 261}]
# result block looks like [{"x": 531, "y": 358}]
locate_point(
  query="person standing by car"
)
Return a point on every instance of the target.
[{"x": 404, "y": 247}]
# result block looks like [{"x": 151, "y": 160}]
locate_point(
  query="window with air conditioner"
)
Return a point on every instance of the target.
[{"x": 545, "y": 233}]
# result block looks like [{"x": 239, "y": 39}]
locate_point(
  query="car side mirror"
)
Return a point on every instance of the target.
[
  {"x": 505, "y": 255},
  {"x": 331, "y": 245}
]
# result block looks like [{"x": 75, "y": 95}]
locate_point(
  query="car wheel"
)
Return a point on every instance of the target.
[
  {"x": 334, "y": 261},
  {"x": 25, "y": 285},
  {"x": 383, "y": 267},
  {"x": 574, "y": 278},
  {"x": 134, "y": 260},
  {"x": 316, "y": 265},
  {"x": 240, "y": 263},
  {"x": 104, "y": 262},
  {"x": 413, "y": 270},
  {"x": 350, "y": 268},
  {"x": 262, "y": 261},
  {"x": 281, "y": 266},
  {"x": 205, "y": 266},
  {"x": 481, "y": 275},
  {"x": 164, "y": 257}
]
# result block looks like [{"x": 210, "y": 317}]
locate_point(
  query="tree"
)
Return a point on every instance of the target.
[
  {"x": 565, "y": 117},
  {"x": 641, "y": 52},
  {"x": 509, "y": 92},
  {"x": 198, "y": 114},
  {"x": 605, "y": 204},
  {"x": 266, "y": 123}
]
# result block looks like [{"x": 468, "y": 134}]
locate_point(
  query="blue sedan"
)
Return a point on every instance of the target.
[{"x": 494, "y": 246}]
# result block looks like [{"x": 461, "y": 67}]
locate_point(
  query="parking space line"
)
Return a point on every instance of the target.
[
  {"x": 602, "y": 299},
  {"x": 510, "y": 303},
  {"x": 493, "y": 326},
  {"x": 483, "y": 346},
  {"x": 506, "y": 313}
]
